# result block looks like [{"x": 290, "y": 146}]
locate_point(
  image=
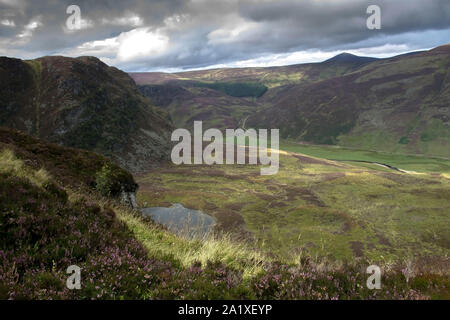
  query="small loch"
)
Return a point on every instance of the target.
[{"x": 181, "y": 220}]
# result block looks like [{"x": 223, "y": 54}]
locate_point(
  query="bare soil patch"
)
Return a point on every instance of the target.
[
  {"x": 294, "y": 193},
  {"x": 357, "y": 248}
]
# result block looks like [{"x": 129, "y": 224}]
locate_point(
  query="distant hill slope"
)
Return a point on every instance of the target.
[
  {"x": 83, "y": 103},
  {"x": 224, "y": 98},
  {"x": 399, "y": 104},
  {"x": 186, "y": 104}
]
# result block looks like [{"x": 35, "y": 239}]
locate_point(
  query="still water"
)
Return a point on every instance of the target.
[{"x": 181, "y": 220}]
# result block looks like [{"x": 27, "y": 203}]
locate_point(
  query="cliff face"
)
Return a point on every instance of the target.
[{"x": 83, "y": 103}]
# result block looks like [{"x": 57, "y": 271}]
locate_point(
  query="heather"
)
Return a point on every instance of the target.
[
  {"x": 43, "y": 233},
  {"x": 46, "y": 226}
]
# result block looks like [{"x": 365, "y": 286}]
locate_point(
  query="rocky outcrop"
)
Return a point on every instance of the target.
[{"x": 129, "y": 199}]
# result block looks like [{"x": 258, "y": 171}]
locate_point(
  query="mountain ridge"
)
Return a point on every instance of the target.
[{"x": 244, "y": 73}]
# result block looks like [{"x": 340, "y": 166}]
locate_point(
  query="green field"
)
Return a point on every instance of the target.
[{"x": 403, "y": 161}]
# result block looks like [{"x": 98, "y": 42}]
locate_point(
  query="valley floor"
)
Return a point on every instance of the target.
[{"x": 340, "y": 210}]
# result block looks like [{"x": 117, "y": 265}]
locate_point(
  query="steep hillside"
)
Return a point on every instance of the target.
[
  {"x": 74, "y": 168},
  {"x": 83, "y": 103},
  {"x": 188, "y": 103},
  {"x": 399, "y": 104},
  {"x": 224, "y": 98}
]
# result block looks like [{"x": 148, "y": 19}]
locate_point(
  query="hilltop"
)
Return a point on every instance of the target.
[
  {"x": 349, "y": 58},
  {"x": 269, "y": 76},
  {"x": 83, "y": 103}
]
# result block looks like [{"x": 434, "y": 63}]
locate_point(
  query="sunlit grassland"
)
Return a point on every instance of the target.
[
  {"x": 338, "y": 210},
  {"x": 10, "y": 163},
  {"x": 403, "y": 161}
]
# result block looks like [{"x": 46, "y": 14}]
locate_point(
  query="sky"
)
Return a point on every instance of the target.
[{"x": 176, "y": 35}]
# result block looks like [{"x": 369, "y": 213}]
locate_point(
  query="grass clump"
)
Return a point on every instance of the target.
[
  {"x": 404, "y": 140},
  {"x": 13, "y": 165},
  {"x": 184, "y": 252}
]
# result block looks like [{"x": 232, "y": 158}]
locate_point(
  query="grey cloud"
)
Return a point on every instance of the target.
[
  {"x": 322, "y": 24},
  {"x": 52, "y": 14},
  {"x": 205, "y": 34}
]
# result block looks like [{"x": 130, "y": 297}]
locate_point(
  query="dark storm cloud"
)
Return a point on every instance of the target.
[
  {"x": 199, "y": 33},
  {"x": 324, "y": 24}
]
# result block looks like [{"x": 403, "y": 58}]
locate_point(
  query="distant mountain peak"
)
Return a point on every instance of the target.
[
  {"x": 348, "y": 57},
  {"x": 345, "y": 54}
]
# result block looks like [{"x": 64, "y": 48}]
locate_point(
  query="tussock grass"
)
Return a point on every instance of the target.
[
  {"x": 9, "y": 163},
  {"x": 161, "y": 244}
]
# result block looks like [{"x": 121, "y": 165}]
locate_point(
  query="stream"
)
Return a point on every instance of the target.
[{"x": 373, "y": 162}]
